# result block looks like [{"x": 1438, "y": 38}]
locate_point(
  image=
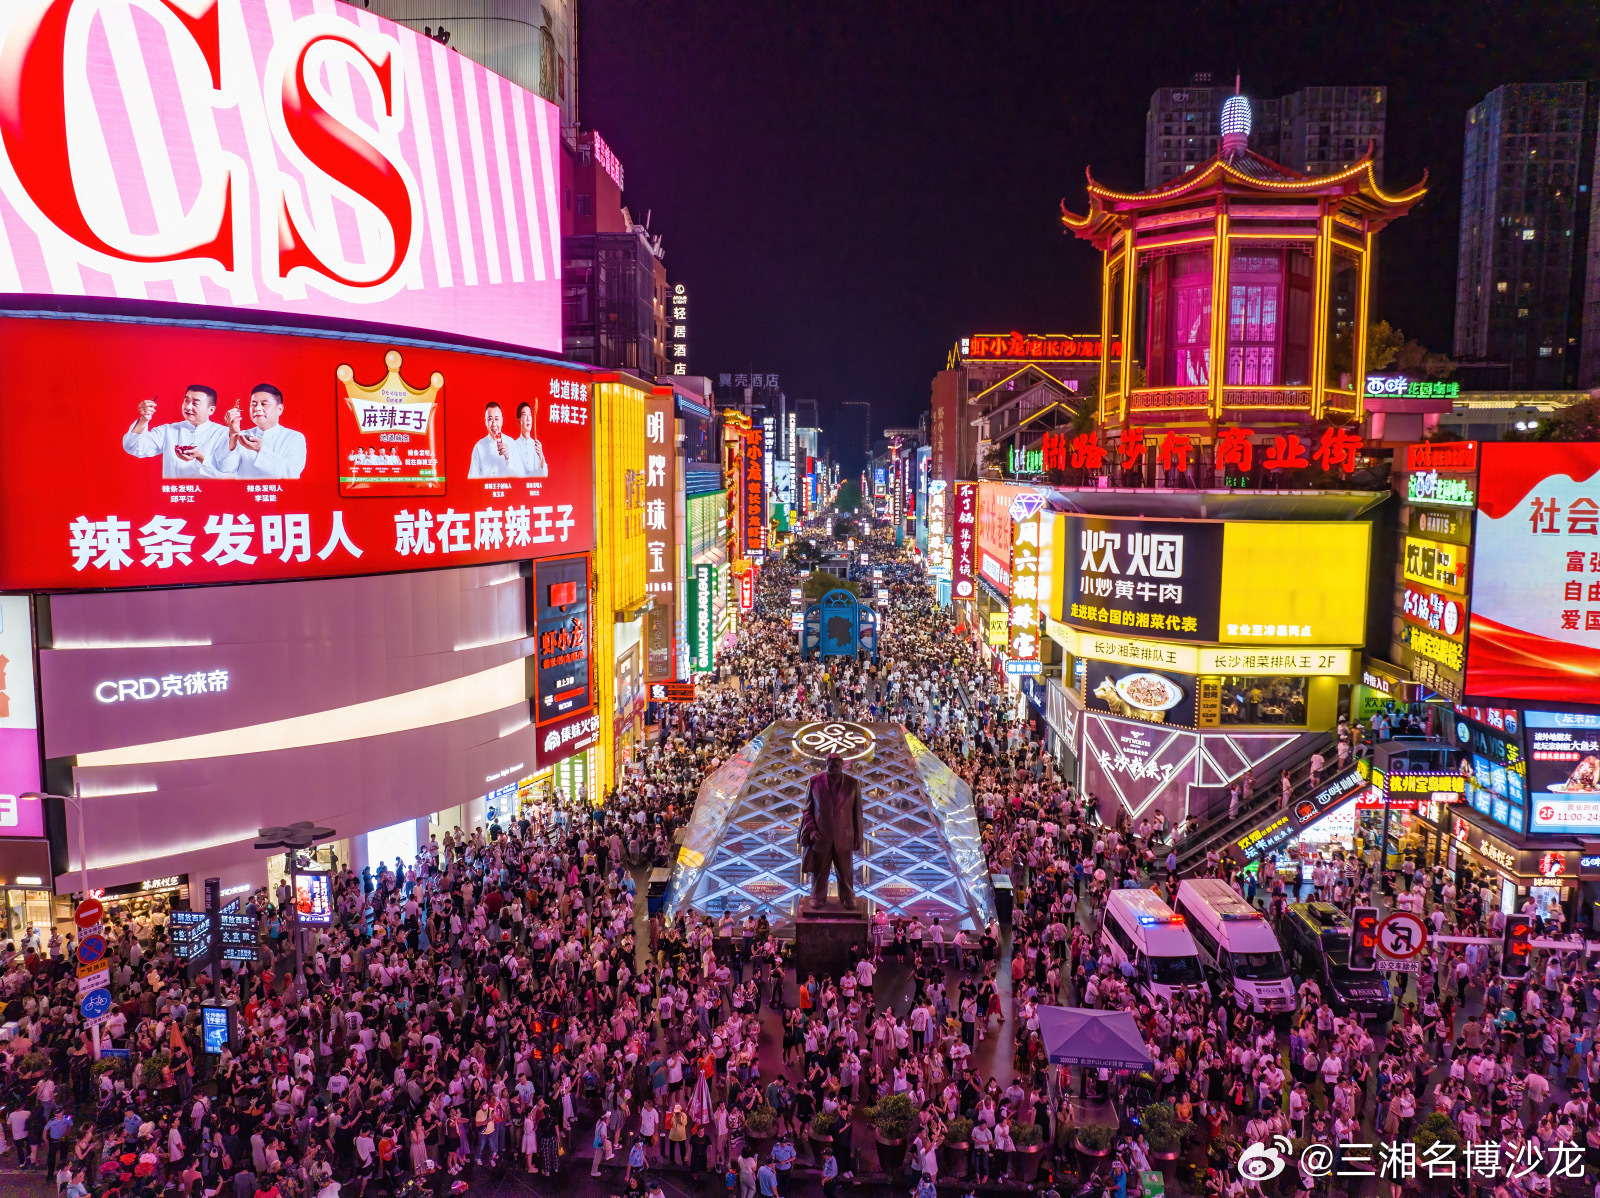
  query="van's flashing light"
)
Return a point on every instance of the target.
[
  {"x": 1240, "y": 915},
  {"x": 1157, "y": 920}
]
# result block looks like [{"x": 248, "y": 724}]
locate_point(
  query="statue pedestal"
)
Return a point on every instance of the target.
[{"x": 824, "y": 937}]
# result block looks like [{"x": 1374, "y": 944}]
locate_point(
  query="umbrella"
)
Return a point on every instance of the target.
[
  {"x": 700, "y": 1103},
  {"x": 1104, "y": 1039}
]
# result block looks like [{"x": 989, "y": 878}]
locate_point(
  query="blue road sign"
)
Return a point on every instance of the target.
[
  {"x": 91, "y": 949},
  {"x": 95, "y": 1003}
]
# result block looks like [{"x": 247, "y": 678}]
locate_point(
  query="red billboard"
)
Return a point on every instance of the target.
[
  {"x": 965, "y": 523},
  {"x": 205, "y": 455},
  {"x": 661, "y": 543},
  {"x": 297, "y": 157},
  {"x": 1535, "y": 620},
  {"x": 753, "y": 490}
]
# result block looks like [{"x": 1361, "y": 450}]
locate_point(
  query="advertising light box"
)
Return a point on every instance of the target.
[
  {"x": 1563, "y": 771},
  {"x": 203, "y": 455},
  {"x": 19, "y": 725},
  {"x": 310, "y": 159},
  {"x": 1239, "y": 582},
  {"x": 1535, "y": 621}
]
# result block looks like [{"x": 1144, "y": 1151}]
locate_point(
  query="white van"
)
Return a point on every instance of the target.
[
  {"x": 1140, "y": 928},
  {"x": 1236, "y": 940}
]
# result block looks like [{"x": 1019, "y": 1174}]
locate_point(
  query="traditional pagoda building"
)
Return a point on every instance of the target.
[{"x": 1239, "y": 292}]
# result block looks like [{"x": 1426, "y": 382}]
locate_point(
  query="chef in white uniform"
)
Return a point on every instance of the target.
[
  {"x": 528, "y": 447},
  {"x": 188, "y": 448},
  {"x": 496, "y": 455},
  {"x": 269, "y": 450}
]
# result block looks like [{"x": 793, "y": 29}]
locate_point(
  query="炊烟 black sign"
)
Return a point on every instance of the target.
[{"x": 1155, "y": 578}]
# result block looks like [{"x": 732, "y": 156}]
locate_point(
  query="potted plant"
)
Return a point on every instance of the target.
[
  {"x": 957, "y": 1146},
  {"x": 761, "y": 1129},
  {"x": 1028, "y": 1146},
  {"x": 1094, "y": 1140},
  {"x": 820, "y": 1132},
  {"x": 892, "y": 1121},
  {"x": 34, "y": 1064},
  {"x": 1163, "y": 1131}
]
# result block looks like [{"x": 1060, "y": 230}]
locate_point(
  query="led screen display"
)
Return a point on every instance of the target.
[{"x": 209, "y": 455}]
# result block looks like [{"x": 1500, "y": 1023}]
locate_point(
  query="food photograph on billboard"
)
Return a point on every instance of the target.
[
  {"x": 1534, "y": 627},
  {"x": 211, "y": 455}
]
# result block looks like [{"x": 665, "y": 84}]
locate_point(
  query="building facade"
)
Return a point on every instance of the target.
[
  {"x": 1316, "y": 130},
  {"x": 1527, "y": 284}
]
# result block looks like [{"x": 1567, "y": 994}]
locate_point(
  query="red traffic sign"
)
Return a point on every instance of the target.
[
  {"x": 1402, "y": 935},
  {"x": 89, "y": 913},
  {"x": 91, "y": 949}
]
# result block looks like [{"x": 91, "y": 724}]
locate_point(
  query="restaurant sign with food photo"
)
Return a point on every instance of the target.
[
  {"x": 1148, "y": 695},
  {"x": 1563, "y": 772}
]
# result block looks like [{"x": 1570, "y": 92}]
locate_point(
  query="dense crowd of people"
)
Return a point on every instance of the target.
[{"x": 503, "y": 1004}]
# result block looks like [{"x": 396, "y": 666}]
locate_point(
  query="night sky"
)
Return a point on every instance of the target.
[{"x": 847, "y": 188}]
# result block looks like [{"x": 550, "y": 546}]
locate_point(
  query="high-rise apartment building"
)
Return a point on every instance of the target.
[
  {"x": 1316, "y": 129},
  {"x": 1527, "y": 279}
]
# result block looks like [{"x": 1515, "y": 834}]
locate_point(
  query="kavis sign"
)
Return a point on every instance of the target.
[{"x": 291, "y": 157}]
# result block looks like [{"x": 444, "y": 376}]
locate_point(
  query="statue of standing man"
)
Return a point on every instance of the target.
[{"x": 831, "y": 831}]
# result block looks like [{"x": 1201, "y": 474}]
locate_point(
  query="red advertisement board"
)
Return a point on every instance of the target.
[
  {"x": 207, "y": 455},
  {"x": 1535, "y": 621},
  {"x": 965, "y": 525},
  {"x": 754, "y": 492}
]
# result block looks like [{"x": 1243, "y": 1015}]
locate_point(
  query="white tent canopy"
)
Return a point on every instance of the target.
[{"x": 1097, "y": 1039}]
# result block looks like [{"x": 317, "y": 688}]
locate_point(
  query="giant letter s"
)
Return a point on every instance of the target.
[
  {"x": 33, "y": 122},
  {"x": 346, "y": 157}
]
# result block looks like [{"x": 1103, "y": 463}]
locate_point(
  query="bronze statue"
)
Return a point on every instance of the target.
[{"x": 830, "y": 832}]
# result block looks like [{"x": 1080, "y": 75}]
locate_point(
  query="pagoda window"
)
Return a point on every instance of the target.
[
  {"x": 1174, "y": 311},
  {"x": 1269, "y": 318}
]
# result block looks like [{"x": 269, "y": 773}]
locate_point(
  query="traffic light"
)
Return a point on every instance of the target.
[
  {"x": 1364, "y": 940},
  {"x": 1516, "y": 947}
]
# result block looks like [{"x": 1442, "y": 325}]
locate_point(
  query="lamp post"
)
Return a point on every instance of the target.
[
  {"x": 76, "y": 800},
  {"x": 293, "y": 838}
]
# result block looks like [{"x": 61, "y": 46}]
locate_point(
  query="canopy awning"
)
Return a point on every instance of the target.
[{"x": 1098, "y": 1039}]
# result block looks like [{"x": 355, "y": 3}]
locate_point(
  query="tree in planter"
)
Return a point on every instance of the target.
[
  {"x": 1437, "y": 1128},
  {"x": 1095, "y": 1137},
  {"x": 823, "y": 1124},
  {"x": 1027, "y": 1135},
  {"x": 761, "y": 1122},
  {"x": 958, "y": 1131},
  {"x": 894, "y": 1116},
  {"x": 1164, "y": 1131},
  {"x": 33, "y": 1064}
]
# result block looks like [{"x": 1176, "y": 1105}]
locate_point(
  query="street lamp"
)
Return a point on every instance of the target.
[{"x": 76, "y": 801}]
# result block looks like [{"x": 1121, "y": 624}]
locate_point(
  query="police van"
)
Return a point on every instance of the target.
[
  {"x": 1141, "y": 929},
  {"x": 1236, "y": 941}
]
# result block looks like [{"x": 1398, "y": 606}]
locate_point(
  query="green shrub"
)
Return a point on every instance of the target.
[
  {"x": 1027, "y": 1135},
  {"x": 894, "y": 1116},
  {"x": 115, "y": 1066},
  {"x": 958, "y": 1130},
  {"x": 1436, "y": 1128},
  {"x": 33, "y": 1063},
  {"x": 1162, "y": 1127},
  {"x": 823, "y": 1123},
  {"x": 1096, "y": 1137},
  {"x": 154, "y": 1065},
  {"x": 761, "y": 1122}
]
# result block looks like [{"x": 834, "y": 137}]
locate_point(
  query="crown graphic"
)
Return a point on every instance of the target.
[{"x": 391, "y": 403}]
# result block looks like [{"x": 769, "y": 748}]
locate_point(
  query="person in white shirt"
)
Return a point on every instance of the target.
[
  {"x": 495, "y": 455},
  {"x": 527, "y": 445},
  {"x": 188, "y": 448},
  {"x": 271, "y": 451}
]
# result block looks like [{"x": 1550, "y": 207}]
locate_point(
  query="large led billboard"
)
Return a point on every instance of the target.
[
  {"x": 208, "y": 455},
  {"x": 292, "y": 157},
  {"x": 1237, "y": 582},
  {"x": 1534, "y": 630}
]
